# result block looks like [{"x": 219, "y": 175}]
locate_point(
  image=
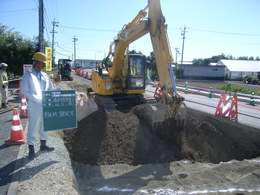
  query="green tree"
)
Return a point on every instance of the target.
[
  {"x": 200, "y": 62},
  {"x": 207, "y": 61},
  {"x": 15, "y": 50},
  {"x": 242, "y": 58}
]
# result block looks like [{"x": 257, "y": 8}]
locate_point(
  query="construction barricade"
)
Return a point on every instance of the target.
[
  {"x": 17, "y": 136},
  {"x": 158, "y": 94},
  {"x": 82, "y": 73},
  {"x": 78, "y": 72},
  {"x": 86, "y": 74},
  {"x": 226, "y": 108}
]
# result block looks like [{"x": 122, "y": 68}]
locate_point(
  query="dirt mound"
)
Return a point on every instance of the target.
[{"x": 110, "y": 137}]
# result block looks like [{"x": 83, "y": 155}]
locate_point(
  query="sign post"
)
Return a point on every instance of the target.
[
  {"x": 59, "y": 110},
  {"x": 27, "y": 67}
]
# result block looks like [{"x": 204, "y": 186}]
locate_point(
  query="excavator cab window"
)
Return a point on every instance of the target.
[{"x": 136, "y": 71}]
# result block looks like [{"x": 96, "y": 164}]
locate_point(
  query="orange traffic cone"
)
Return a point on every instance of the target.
[
  {"x": 17, "y": 133},
  {"x": 23, "y": 110}
]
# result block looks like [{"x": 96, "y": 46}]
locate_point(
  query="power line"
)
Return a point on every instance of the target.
[
  {"x": 89, "y": 29},
  {"x": 19, "y": 13},
  {"x": 63, "y": 49},
  {"x": 47, "y": 24},
  {"x": 228, "y": 33},
  {"x": 46, "y": 31},
  {"x": 57, "y": 10},
  {"x": 62, "y": 54},
  {"x": 21, "y": 10},
  {"x": 174, "y": 29}
]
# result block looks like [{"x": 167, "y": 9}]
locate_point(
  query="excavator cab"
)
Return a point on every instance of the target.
[{"x": 136, "y": 72}]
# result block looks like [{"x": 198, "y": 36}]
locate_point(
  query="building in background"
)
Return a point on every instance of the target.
[
  {"x": 210, "y": 72},
  {"x": 239, "y": 69},
  {"x": 222, "y": 70}
]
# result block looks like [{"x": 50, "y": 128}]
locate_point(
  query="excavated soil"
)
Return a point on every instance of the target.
[{"x": 110, "y": 137}]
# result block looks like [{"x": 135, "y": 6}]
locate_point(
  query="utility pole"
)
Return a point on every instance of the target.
[
  {"x": 53, "y": 31},
  {"x": 41, "y": 27},
  {"x": 74, "y": 40},
  {"x": 183, "y": 37},
  {"x": 177, "y": 52}
]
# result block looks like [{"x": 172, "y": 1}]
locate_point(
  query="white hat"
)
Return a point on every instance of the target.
[{"x": 3, "y": 64}]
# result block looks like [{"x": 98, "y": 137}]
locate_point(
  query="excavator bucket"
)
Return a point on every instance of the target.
[{"x": 163, "y": 120}]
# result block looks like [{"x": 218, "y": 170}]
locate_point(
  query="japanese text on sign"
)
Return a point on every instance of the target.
[{"x": 59, "y": 110}]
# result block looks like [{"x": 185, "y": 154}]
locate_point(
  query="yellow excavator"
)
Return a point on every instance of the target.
[{"x": 126, "y": 78}]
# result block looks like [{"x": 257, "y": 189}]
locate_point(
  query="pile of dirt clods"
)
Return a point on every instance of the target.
[{"x": 110, "y": 137}]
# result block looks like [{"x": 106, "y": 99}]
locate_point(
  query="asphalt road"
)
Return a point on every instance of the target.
[{"x": 8, "y": 154}]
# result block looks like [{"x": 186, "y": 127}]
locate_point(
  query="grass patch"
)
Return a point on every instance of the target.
[{"x": 240, "y": 89}]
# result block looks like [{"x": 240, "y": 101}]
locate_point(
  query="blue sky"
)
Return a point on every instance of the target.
[{"x": 213, "y": 26}]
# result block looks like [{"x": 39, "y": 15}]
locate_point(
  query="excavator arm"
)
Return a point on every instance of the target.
[
  {"x": 163, "y": 57},
  {"x": 138, "y": 27}
]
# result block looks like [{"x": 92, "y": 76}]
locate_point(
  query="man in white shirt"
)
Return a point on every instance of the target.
[{"x": 33, "y": 83}]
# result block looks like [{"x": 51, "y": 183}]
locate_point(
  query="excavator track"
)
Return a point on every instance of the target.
[{"x": 121, "y": 103}]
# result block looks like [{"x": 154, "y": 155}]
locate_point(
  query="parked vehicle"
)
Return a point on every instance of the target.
[{"x": 64, "y": 67}]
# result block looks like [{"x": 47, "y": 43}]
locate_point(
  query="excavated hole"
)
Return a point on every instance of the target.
[{"x": 110, "y": 137}]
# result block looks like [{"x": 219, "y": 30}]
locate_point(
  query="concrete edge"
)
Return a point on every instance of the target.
[{"x": 12, "y": 190}]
